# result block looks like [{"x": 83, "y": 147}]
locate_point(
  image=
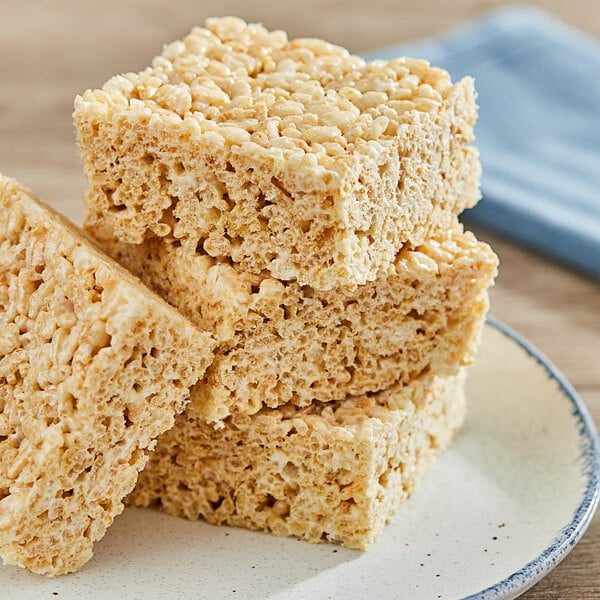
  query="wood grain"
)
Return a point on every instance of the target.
[{"x": 50, "y": 51}]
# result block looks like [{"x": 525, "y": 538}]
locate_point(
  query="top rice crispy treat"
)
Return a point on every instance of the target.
[
  {"x": 291, "y": 156},
  {"x": 93, "y": 367}
]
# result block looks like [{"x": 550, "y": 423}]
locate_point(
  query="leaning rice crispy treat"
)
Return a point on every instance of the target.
[
  {"x": 93, "y": 367},
  {"x": 282, "y": 342},
  {"x": 327, "y": 472},
  {"x": 291, "y": 156}
]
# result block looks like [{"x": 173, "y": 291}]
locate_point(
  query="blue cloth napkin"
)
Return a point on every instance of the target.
[{"x": 538, "y": 133}]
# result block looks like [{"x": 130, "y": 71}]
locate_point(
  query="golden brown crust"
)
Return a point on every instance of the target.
[{"x": 93, "y": 367}]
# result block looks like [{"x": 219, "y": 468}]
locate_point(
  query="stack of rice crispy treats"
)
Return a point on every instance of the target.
[{"x": 300, "y": 207}]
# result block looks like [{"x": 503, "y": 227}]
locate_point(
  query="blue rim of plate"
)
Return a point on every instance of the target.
[{"x": 523, "y": 579}]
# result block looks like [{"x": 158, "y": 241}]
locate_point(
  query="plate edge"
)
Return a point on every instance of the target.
[{"x": 527, "y": 576}]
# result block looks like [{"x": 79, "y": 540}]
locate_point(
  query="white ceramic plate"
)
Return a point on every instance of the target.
[{"x": 499, "y": 510}]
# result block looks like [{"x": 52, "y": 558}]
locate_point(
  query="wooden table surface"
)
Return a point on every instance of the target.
[{"x": 52, "y": 50}]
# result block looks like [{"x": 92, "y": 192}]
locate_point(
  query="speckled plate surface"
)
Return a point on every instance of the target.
[{"x": 499, "y": 510}]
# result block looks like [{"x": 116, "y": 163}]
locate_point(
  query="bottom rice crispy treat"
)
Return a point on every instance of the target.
[
  {"x": 332, "y": 471},
  {"x": 93, "y": 367}
]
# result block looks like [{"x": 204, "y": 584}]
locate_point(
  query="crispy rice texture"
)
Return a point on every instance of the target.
[
  {"x": 281, "y": 342},
  {"x": 93, "y": 367},
  {"x": 291, "y": 156},
  {"x": 328, "y": 472}
]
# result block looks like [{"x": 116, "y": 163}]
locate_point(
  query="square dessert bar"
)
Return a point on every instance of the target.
[
  {"x": 290, "y": 156},
  {"x": 327, "y": 472},
  {"x": 93, "y": 367},
  {"x": 281, "y": 342}
]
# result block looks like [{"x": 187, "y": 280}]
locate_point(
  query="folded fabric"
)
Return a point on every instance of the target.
[{"x": 539, "y": 129}]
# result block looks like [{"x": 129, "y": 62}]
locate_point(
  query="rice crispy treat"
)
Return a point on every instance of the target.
[
  {"x": 327, "y": 472},
  {"x": 93, "y": 367},
  {"x": 282, "y": 342},
  {"x": 291, "y": 156}
]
